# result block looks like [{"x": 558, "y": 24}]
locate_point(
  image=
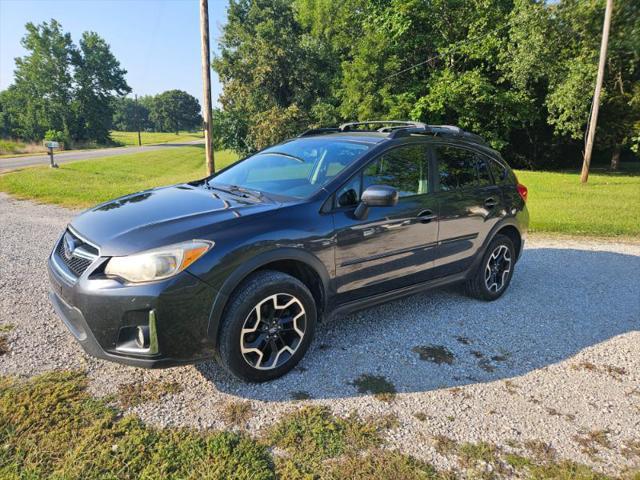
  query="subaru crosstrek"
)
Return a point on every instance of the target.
[{"x": 241, "y": 265}]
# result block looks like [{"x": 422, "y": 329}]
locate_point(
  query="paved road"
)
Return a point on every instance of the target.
[
  {"x": 555, "y": 358},
  {"x": 16, "y": 163}
]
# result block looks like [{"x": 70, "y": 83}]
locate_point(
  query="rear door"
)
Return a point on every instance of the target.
[
  {"x": 470, "y": 204},
  {"x": 393, "y": 246}
]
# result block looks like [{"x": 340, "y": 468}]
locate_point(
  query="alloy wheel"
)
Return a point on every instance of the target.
[
  {"x": 497, "y": 269},
  {"x": 273, "y": 331}
]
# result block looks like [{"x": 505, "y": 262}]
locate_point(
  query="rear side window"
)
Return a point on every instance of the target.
[
  {"x": 456, "y": 168},
  {"x": 501, "y": 174},
  {"x": 460, "y": 168}
]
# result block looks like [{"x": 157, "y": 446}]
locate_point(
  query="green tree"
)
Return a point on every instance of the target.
[
  {"x": 44, "y": 81},
  {"x": 175, "y": 110},
  {"x": 518, "y": 72},
  {"x": 269, "y": 67},
  {"x": 572, "y": 74},
  {"x": 98, "y": 81},
  {"x": 129, "y": 114},
  {"x": 11, "y": 108},
  {"x": 59, "y": 86}
]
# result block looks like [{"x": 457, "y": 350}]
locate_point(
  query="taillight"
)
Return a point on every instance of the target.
[{"x": 522, "y": 190}]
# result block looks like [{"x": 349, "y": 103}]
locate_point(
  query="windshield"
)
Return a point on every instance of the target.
[{"x": 298, "y": 168}]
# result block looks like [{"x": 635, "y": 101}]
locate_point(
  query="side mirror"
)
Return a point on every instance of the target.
[{"x": 376, "y": 196}]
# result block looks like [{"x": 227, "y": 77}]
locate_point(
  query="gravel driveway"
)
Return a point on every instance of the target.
[{"x": 558, "y": 357}]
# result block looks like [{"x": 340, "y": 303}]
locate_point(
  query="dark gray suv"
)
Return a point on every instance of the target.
[{"x": 241, "y": 265}]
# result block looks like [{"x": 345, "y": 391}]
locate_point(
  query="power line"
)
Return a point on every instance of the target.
[{"x": 458, "y": 47}]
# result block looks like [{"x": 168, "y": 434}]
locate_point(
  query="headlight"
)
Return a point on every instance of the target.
[{"x": 158, "y": 263}]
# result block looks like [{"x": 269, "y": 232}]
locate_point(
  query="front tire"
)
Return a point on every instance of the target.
[
  {"x": 267, "y": 327},
  {"x": 493, "y": 276}
]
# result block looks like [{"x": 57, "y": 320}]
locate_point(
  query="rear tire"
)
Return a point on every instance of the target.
[
  {"x": 267, "y": 327},
  {"x": 493, "y": 275}
]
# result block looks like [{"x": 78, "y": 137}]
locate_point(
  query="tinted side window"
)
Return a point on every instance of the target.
[
  {"x": 456, "y": 168},
  {"x": 484, "y": 177},
  {"x": 502, "y": 175},
  {"x": 404, "y": 168},
  {"x": 499, "y": 172}
]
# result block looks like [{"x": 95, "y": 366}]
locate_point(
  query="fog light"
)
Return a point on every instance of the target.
[{"x": 142, "y": 337}]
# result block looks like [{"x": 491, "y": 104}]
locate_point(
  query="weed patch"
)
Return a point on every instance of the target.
[
  {"x": 444, "y": 445},
  {"x": 313, "y": 434},
  {"x": 591, "y": 442},
  {"x": 237, "y": 412},
  {"x": 379, "y": 465},
  {"x": 4, "y": 345},
  {"x": 133, "y": 394},
  {"x": 51, "y": 427},
  {"x": 421, "y": 416},
  {"x": 541, "y": 451}
]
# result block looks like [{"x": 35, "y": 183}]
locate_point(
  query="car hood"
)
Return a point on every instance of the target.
[{"x": 162, "y": 216}]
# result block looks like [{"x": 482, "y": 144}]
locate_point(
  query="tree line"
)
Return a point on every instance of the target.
[
  {"x": 76, "y": 93},
  {"x": 170, "y": 111},
  {"x": 518, "y": 72}
]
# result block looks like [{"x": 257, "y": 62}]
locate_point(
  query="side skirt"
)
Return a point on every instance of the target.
[{"x": 367, "y": 302}]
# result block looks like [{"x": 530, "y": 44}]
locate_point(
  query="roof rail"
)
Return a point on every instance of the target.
[
  {"x": 392, "y": 124},
  {"x": 436, "y": 130},
  {"x": 318, "y": 131},
  {"x": 397, "y": 129}
]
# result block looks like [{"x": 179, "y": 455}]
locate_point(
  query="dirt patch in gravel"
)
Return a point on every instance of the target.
[{"x": 554, "y": 365}]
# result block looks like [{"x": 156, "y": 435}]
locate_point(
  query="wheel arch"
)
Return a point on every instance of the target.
[
  {"x": 302, "y": 265},
  {"x": 514, "y": 234},
  {"x": 507, "y": 227}
]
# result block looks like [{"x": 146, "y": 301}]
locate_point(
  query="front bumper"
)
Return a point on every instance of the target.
[{"x": 101, "y": 313}]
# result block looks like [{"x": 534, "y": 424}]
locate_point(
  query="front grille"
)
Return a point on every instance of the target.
[{"x": 75, "y": 253}]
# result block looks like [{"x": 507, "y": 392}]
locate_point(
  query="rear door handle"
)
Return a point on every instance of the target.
[
  {"x": 426, "y": 216},
  {"x": 490, "y": 202}
]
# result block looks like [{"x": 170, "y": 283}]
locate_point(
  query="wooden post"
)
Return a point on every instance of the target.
[
  {"x": 138, "y": 121},
  {"x": 596, "y": 95},
  {"x": 206, "y": 85}
]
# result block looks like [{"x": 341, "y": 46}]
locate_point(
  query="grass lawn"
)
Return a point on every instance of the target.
[
  {"x": 149, "y": 138},
  {"x": 86, "y": 183},
  {"x": 609, "y": 205}
]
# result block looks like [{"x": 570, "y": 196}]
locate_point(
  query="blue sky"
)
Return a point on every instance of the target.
[{"x": 156, "y": 41}]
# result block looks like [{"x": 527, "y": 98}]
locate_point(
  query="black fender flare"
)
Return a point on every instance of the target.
[
  {"x": 257, "y": 262},
  {"x": 506, "y": 222}
]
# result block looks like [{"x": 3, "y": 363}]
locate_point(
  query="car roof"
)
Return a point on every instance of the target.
[
  {"x": 373, "y": 137},
  {"x": 367, "y": 137}
]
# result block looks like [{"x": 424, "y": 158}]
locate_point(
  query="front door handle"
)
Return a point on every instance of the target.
[
  {"x": 490, "y": 202},
  {"x": 426, "y": 216}
]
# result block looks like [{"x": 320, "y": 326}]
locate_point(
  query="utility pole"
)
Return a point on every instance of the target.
[
  {"x": 596, "y": 95},
  {"x": 206, "y": 84},
  {"x": 138, "y": 121}
]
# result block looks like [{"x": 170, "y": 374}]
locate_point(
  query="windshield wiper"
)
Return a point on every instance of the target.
[
  {"x": 237, "y": 190},
  {"x": 286, "y": 155}
]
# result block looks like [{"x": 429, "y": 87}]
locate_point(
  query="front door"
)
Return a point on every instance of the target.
[{"x": 394, "y": 246}]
